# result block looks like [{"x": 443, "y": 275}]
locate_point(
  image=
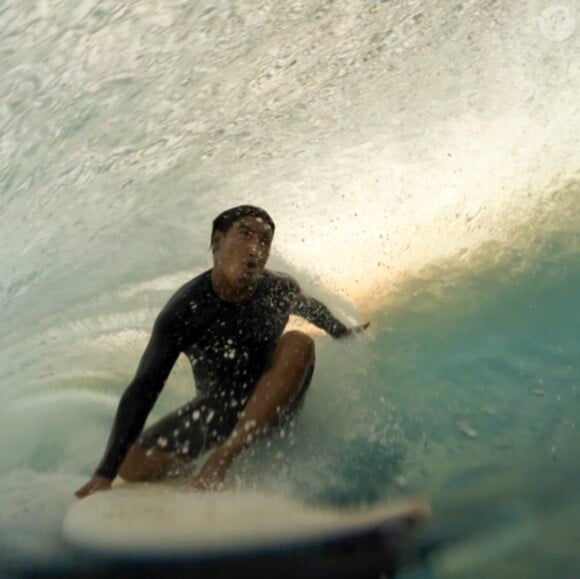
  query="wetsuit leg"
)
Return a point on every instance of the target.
[{"x": 191, "y": 430}]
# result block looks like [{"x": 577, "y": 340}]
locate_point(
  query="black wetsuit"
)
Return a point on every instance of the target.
[{"x": 229, "y": 345}]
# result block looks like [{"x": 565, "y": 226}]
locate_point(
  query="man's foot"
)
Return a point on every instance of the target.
[{"x": 213, "y": 473}]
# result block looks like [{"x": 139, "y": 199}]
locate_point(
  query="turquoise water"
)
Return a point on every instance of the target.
[
  {"x": 493, "y": 411},
  {"x": 421, "y": 162},
  {"x": 491, "y": 361}
]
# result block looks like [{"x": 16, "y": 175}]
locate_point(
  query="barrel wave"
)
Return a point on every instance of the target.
[{"x": 421, "y": 161}]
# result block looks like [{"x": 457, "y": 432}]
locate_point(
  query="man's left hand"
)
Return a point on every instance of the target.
[{"x": 356, "y": 329}]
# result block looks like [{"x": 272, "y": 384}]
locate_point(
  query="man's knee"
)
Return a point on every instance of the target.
[
  {"x": 299, "y": 346},
  {"x": 132, "y": 467},
  {"x": 142, "y": 464}
]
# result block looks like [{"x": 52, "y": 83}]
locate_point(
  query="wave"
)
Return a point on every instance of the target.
[{"x": 421, "y": 164}]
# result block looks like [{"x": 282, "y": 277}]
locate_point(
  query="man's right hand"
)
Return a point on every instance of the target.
[{"x": 96, "y": 484}]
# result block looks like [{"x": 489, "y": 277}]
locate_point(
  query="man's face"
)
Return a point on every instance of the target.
[{"x": 241, "y": 253}]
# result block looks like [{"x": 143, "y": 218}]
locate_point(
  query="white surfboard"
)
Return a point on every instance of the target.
[{"x": 161, "y": 518}]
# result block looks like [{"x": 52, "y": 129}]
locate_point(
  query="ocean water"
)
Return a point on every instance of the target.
[{"x": 421, "y": 161}]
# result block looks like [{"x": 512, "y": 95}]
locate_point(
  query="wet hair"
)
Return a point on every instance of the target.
[{"x": 227, "y": 218}]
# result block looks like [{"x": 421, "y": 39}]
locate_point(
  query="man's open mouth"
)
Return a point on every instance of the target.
[{"x": 251, "y": 266}]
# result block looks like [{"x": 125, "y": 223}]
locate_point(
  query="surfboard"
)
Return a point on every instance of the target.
[
  {"x": 226, "y": 532},
  {"x": 164, "y": 518}
]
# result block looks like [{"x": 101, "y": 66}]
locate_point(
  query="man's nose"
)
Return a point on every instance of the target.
[
  {"x": 257, "y": 248},
  {"x": 254, "y": 247}
]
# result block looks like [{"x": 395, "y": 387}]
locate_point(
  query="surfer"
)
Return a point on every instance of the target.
[{"x": 250, "y": 376}]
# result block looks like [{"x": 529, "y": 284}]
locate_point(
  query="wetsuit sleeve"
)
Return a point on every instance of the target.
[
  {"x": 141, "y": 394},
  {"x": 317, "y": 313}
]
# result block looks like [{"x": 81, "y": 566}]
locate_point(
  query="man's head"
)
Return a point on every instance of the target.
[
  {"x": 227, "y": 218},
  {"x": 240, "y": 240}
]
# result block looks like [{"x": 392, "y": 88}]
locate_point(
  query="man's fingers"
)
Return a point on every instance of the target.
[
  {"x": 94, "y": 485},
  {"x": 361, "y": 328},
  {"x": 84, "y": 492},
  {"x": 356, "y": 329}
]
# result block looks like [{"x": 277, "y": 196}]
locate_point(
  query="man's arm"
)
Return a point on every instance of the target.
[
  {"x": 318, "y": 314},
  {"x": 137, "y": 401}
]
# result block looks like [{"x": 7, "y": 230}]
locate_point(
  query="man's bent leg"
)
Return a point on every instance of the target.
[
  {"x": 148, "y": 464},
  {"x": 175, "y": 440},
  {"x": 279, "y": 388}
]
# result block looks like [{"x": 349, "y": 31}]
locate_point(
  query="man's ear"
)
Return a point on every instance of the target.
[{"x": 216, "y": 240}]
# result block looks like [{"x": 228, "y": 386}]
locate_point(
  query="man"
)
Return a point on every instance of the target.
[{"x": 250, "y": 377}]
